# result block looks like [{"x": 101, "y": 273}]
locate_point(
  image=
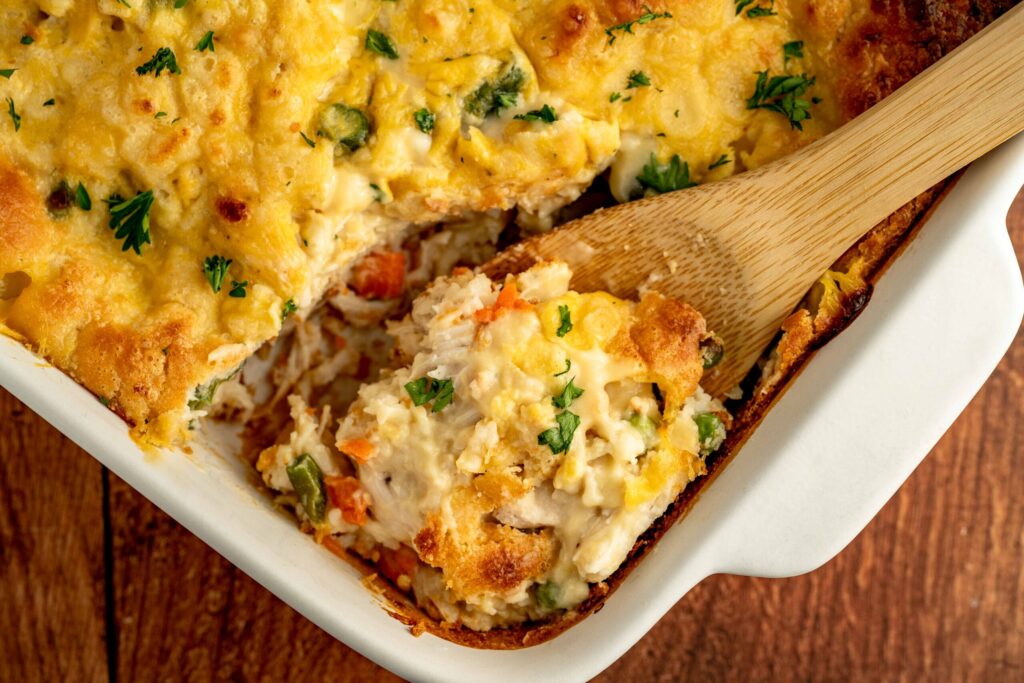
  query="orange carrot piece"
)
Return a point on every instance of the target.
[
  {"x": 359, "y": 450},
  {"x": 347, "y": 495},
  {"x": 380, "y": 275}
]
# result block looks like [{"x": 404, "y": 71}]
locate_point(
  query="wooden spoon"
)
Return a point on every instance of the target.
[{"x": 745, "y": 250}]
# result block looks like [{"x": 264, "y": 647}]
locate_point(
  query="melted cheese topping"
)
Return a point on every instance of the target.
[{"x": 228, "y": 143}]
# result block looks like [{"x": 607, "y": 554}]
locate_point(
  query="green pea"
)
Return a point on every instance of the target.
[
  {"x": 647, "y": 426},
  {"x": 308, "y": 482},
  {"x": 548, "y": 595},
  {"x": 710, "y": 432},
  {"x": 346, "y": 126}
]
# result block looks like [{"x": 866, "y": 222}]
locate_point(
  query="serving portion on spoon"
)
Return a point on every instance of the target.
[{"x": 745, "y": 250}]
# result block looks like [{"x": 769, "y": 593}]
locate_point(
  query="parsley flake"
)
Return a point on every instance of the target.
[
  {"x": 565, "y": 321},
  {"x": 757, "y": 10},
  {"x": 215, "y": 268},
  {"x": 163, "y": 59},
  {"x": 82, "y": 198},
  {"x": 206, "y": 43},
  {"x": 7, "y": 73},
  {"x": 546, "y": 114},
  {"x": 637, "y": 79},
  {"x": 722, "y": 161},
  {"x": 50, "y": 102},
  {"x": 238, "y": 289},
  {"x": 627, "y": 26},
  {"x": 782, "y": 94},
  {"x": 793, "y": 50},
  {"x": 15, "y": 116},
  {"x": 178, "y": 4},
  {"x": 287, "y": 309},
  {"x": 27, "y": 39},
  {"x": 673, "y": 176},
  {"x": 129, "y": 218},
  {"x": 427, "y": 389},
  {"x": 614, "y": 96},
  {"x": 425, "y": 120},
  {"x": 559, "y": 438},
  {"x": 568, "y": 366},
  {"x": 381, "y": 44},
  {"x": 492, "y": 97},
  {"x": 570, "y": 393},
  {"x": 311, "y": 143}
]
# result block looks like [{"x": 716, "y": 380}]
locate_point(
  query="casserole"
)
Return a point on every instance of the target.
[{"x": 809, "y": 479}]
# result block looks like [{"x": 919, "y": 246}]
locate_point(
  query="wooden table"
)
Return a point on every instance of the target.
[{"x": 98, "y": 584}]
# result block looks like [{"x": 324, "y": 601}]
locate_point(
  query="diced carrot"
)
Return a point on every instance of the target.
[
  {"x": 347, "y": 495},
  {"x": 380, "y": 275},
  {"x": 508, "y": 300},
  {"x": 395, "y": 563},
  {"x": 359, "y": 450}
]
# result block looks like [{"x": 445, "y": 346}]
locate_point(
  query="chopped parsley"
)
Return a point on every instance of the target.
[
  {"x": 381, "y": 44},
  {"x": 722, "y": 161},
  {"x": 7, "y": 73},
  {"x": 673, "y": 176},
  {"x": 637, "y": 79},
  {"x": 125, "y": 3},
  {"x": 757, "y": 10},
  {"x": 565, "y": 321},
  {"x": 50, "y": 102},
  {"x": 493, "y": 96},
  {"x": 425, "y": 120},
  {"x": 311, "y": 143},
  {"x": 378, "y": 193},
  {"x": 163, "y": 59},
  {"x": 82, "y": 198},
  {"x": 559, "y": 438},
  {"x": 782, "y": 94},
  {"x": 427, "y": 389},
  {"x": 627, "y": 26},
  {"x": 570, "y": 393},
  {"x": 568, "y": 366},
  {"x": 206, "y": 43},
  {"x": 129, "y": 218},
  {"x": 27, "y": 39},
  {"x": 614, "y": 96},
  {"x": 178, "y": 4},
  {"x": 793, "y": 50},
  {"x": 215, "y": 268},
  {"x": 545, "y": 114},
  {"x": 287, "y": 309},
  {"x": 160, "y": 115},
  {"x": 15, "y": 116},
  {"x": 238, "y": 289}
]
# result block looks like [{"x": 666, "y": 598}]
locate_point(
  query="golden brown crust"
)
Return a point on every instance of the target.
[
  {"x": 477, "y": 555},
  {"x": 667, "y": 336}
]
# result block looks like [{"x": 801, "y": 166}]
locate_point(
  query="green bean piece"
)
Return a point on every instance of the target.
[{"x": 308, "y": 482}]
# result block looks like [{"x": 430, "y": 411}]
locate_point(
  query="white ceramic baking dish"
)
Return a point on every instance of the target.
[{"x": 852, "y": 428}]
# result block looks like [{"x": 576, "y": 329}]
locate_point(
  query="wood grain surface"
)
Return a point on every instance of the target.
[{"x": 98, "y": 584}]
